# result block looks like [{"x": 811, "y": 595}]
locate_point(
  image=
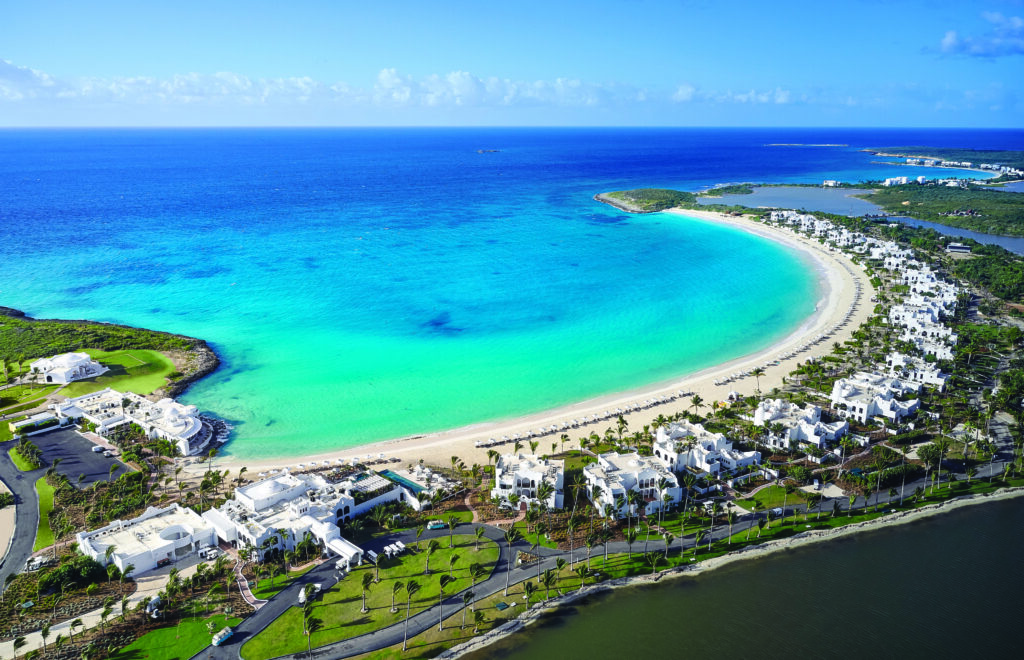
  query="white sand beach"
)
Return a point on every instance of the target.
[{"x": 844, "y": 305}]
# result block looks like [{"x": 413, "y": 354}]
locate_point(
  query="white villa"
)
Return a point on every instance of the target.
[
  {"x": 800, "y": 424},
  {"x": 277, "y": 512},
  {"x": 67, "y": 367},
  {"x": 170, "y": 533},
  {"x": 917, "y": 371},
  {"x": 107, "y": 409},
  {"x": 616, "y": 474},
  {"x": 868, "y": 395},
  {"x": 522, "y": 474},
  {"x": 685, "y": 446}
]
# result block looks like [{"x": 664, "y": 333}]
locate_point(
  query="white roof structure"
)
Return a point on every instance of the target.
[
  {"x": 917, "y": 371},
  {"x": 616, "y": 474},
  {"x": 868, "y": 395},
  {"x": 800, "y": 424},
  {"x": 67, "y": 367},
  {"x": 522, "y": 474},
  {"x": 687, "y": 446},
  {"x": 170, "y": 533},
  {"x": 175, "y": 422}
]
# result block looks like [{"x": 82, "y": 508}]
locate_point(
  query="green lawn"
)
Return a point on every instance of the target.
[
  {"x": 339, "y": 608},
  {"x": 5, "y": 429},
  {"x": 772, "y": 497},
  {"x": 174, "y": 643},
  {"x": 20, "y": 394},
  {"x": 139, "y": 371},
  {"x": 463, "y": 516},
  {"x": 267, "y": 588},
  {"x": 29, "y": 405},
  {"x": 19, "y": 461},
  {"x": 44, "y": 537}
]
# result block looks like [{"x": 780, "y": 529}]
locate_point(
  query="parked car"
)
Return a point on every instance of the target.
[
  {"x": 163, "y": 562},
  {"x": 97, "y": 449},
  {"x": 435, "y": 524}
]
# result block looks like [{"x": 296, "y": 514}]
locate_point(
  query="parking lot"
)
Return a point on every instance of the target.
[{"x": 77, "y": 457}]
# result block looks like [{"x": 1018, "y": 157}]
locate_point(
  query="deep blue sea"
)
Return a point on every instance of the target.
[{"x": 363, "y": 284}]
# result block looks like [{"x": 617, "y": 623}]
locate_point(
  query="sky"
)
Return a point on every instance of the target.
[{"x": 471, "y": 63}]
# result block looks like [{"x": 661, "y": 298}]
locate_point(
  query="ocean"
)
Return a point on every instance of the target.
[{"x": 365, "y": 284}]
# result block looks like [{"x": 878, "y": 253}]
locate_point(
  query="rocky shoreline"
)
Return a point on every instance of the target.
[
  {"x": 539, "y": 611},
  {"x": 619, "y": 204}
]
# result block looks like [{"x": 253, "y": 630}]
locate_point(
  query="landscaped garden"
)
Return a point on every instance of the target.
[
  {"x": 140, "y": 371},
  {"x": 184, "y": 640},
  {"x": 340, "y": 609}
]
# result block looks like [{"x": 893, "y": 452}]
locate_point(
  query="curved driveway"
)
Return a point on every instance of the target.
[{"x": 26, "y": 512}]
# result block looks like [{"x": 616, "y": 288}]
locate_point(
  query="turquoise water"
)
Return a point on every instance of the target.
[{"x": 369, "y": 284}]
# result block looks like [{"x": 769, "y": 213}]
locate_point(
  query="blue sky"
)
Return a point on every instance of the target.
[{"x": 435, "y": 62}]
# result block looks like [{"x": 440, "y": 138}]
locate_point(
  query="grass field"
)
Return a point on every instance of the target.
[
  {"x": 19, "y": 461},
  {"x": 44, "y": 537},
  {"x": 772, "y": 497},
  {"x": 268, "y": 588},
  {"x": 22, "y": 394},
  {"x": 139, "y": 371},
  {"x": 176, "y": 642},
  {"x": 339, "y": 608}
]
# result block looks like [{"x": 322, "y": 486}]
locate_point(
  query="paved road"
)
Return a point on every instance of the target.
[
  {"x": 26, "y": 512},
  {"x": 429, "y": 617}
]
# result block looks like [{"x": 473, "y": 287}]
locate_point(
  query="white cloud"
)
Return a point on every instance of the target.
[{"x": 1004, "y": 38}]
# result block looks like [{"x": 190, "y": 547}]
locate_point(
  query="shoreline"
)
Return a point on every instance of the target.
[
  {"x": 537, "y": 612},
  {"x": 838, "y": 298}
]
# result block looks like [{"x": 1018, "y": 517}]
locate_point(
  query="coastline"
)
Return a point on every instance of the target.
[
  {"x": 754, "y": 552},
  {"x": 838, "y": 297}
]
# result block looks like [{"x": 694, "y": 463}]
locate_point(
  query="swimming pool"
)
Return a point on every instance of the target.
[{"x": 398, "y": 479}]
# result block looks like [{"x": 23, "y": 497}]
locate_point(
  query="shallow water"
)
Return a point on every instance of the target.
[{"x": 363, "y": 284}]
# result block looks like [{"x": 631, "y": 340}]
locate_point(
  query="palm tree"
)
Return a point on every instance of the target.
[
  {"x": 313, "y": 625},
  {"x": 453, "y": 522},
  {"x": 44, "y": 632},
  {"x": 582, "y": 572},
  {"x": 760, "y": 526},
  {"x": 698, "y": 538},
  {"x": 18, "y": 643},
  {"x": 77, "y": 623},
  {"x": 548, "y": 580},
  {"x": 668, "y": 538},
  {"x": 478, "y": 618},
  {"x": 696, "y": 402},
  {"x": 757, "y": 372},
  {"x": 512, "y": 536},
  {"x": 654, "y": 558},
  {"x": 396, "y": 587},
  {"x": 451, "y": 563},
  {"x": 410, "y": 590},
  {"x": 631, "y": 536},
  {"x": 730, "y": 517},
  {"x": 366, "y": 583},
  {"x": 467, "y": 598},
  {"x": 431, "y": 548},
  {"x": 479, "y": 535},
  {"x": 442, "y": 582}
]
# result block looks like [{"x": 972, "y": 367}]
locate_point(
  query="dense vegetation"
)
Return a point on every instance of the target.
[
  {"x": 975, "y": 156},
  {"x": 22, "y": 337},
  {"x": 653, "y": 199},
  {"x": 980, "y": 209},
  {"x": 738, "y": 189}
]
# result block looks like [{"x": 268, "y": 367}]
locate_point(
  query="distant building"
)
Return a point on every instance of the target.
[
  {"x": 108, "y": 409},
  {"x": 830, "y": 183},
  {"x": 958, "y": 248},
  {"x": 67, "y": 367}
]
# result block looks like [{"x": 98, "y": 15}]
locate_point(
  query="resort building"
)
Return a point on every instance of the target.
[
  {"x": 522, "y": 475},
  {"x": 917, "y": 371},
  {"x": 686, "y": 446},
  {"x": 66, "y": 367},
  {"x": 868, "y": 395},
  {"x": 108, "y": 409},
  {"x": 798, "y": 424},
  {"x": 610, "y": 480},
  {"x": 278, "y": 512},
  {"x": 158, "y": 535}
]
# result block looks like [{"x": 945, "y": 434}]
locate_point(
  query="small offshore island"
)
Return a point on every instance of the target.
[{"x": 900, "y": 398}]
